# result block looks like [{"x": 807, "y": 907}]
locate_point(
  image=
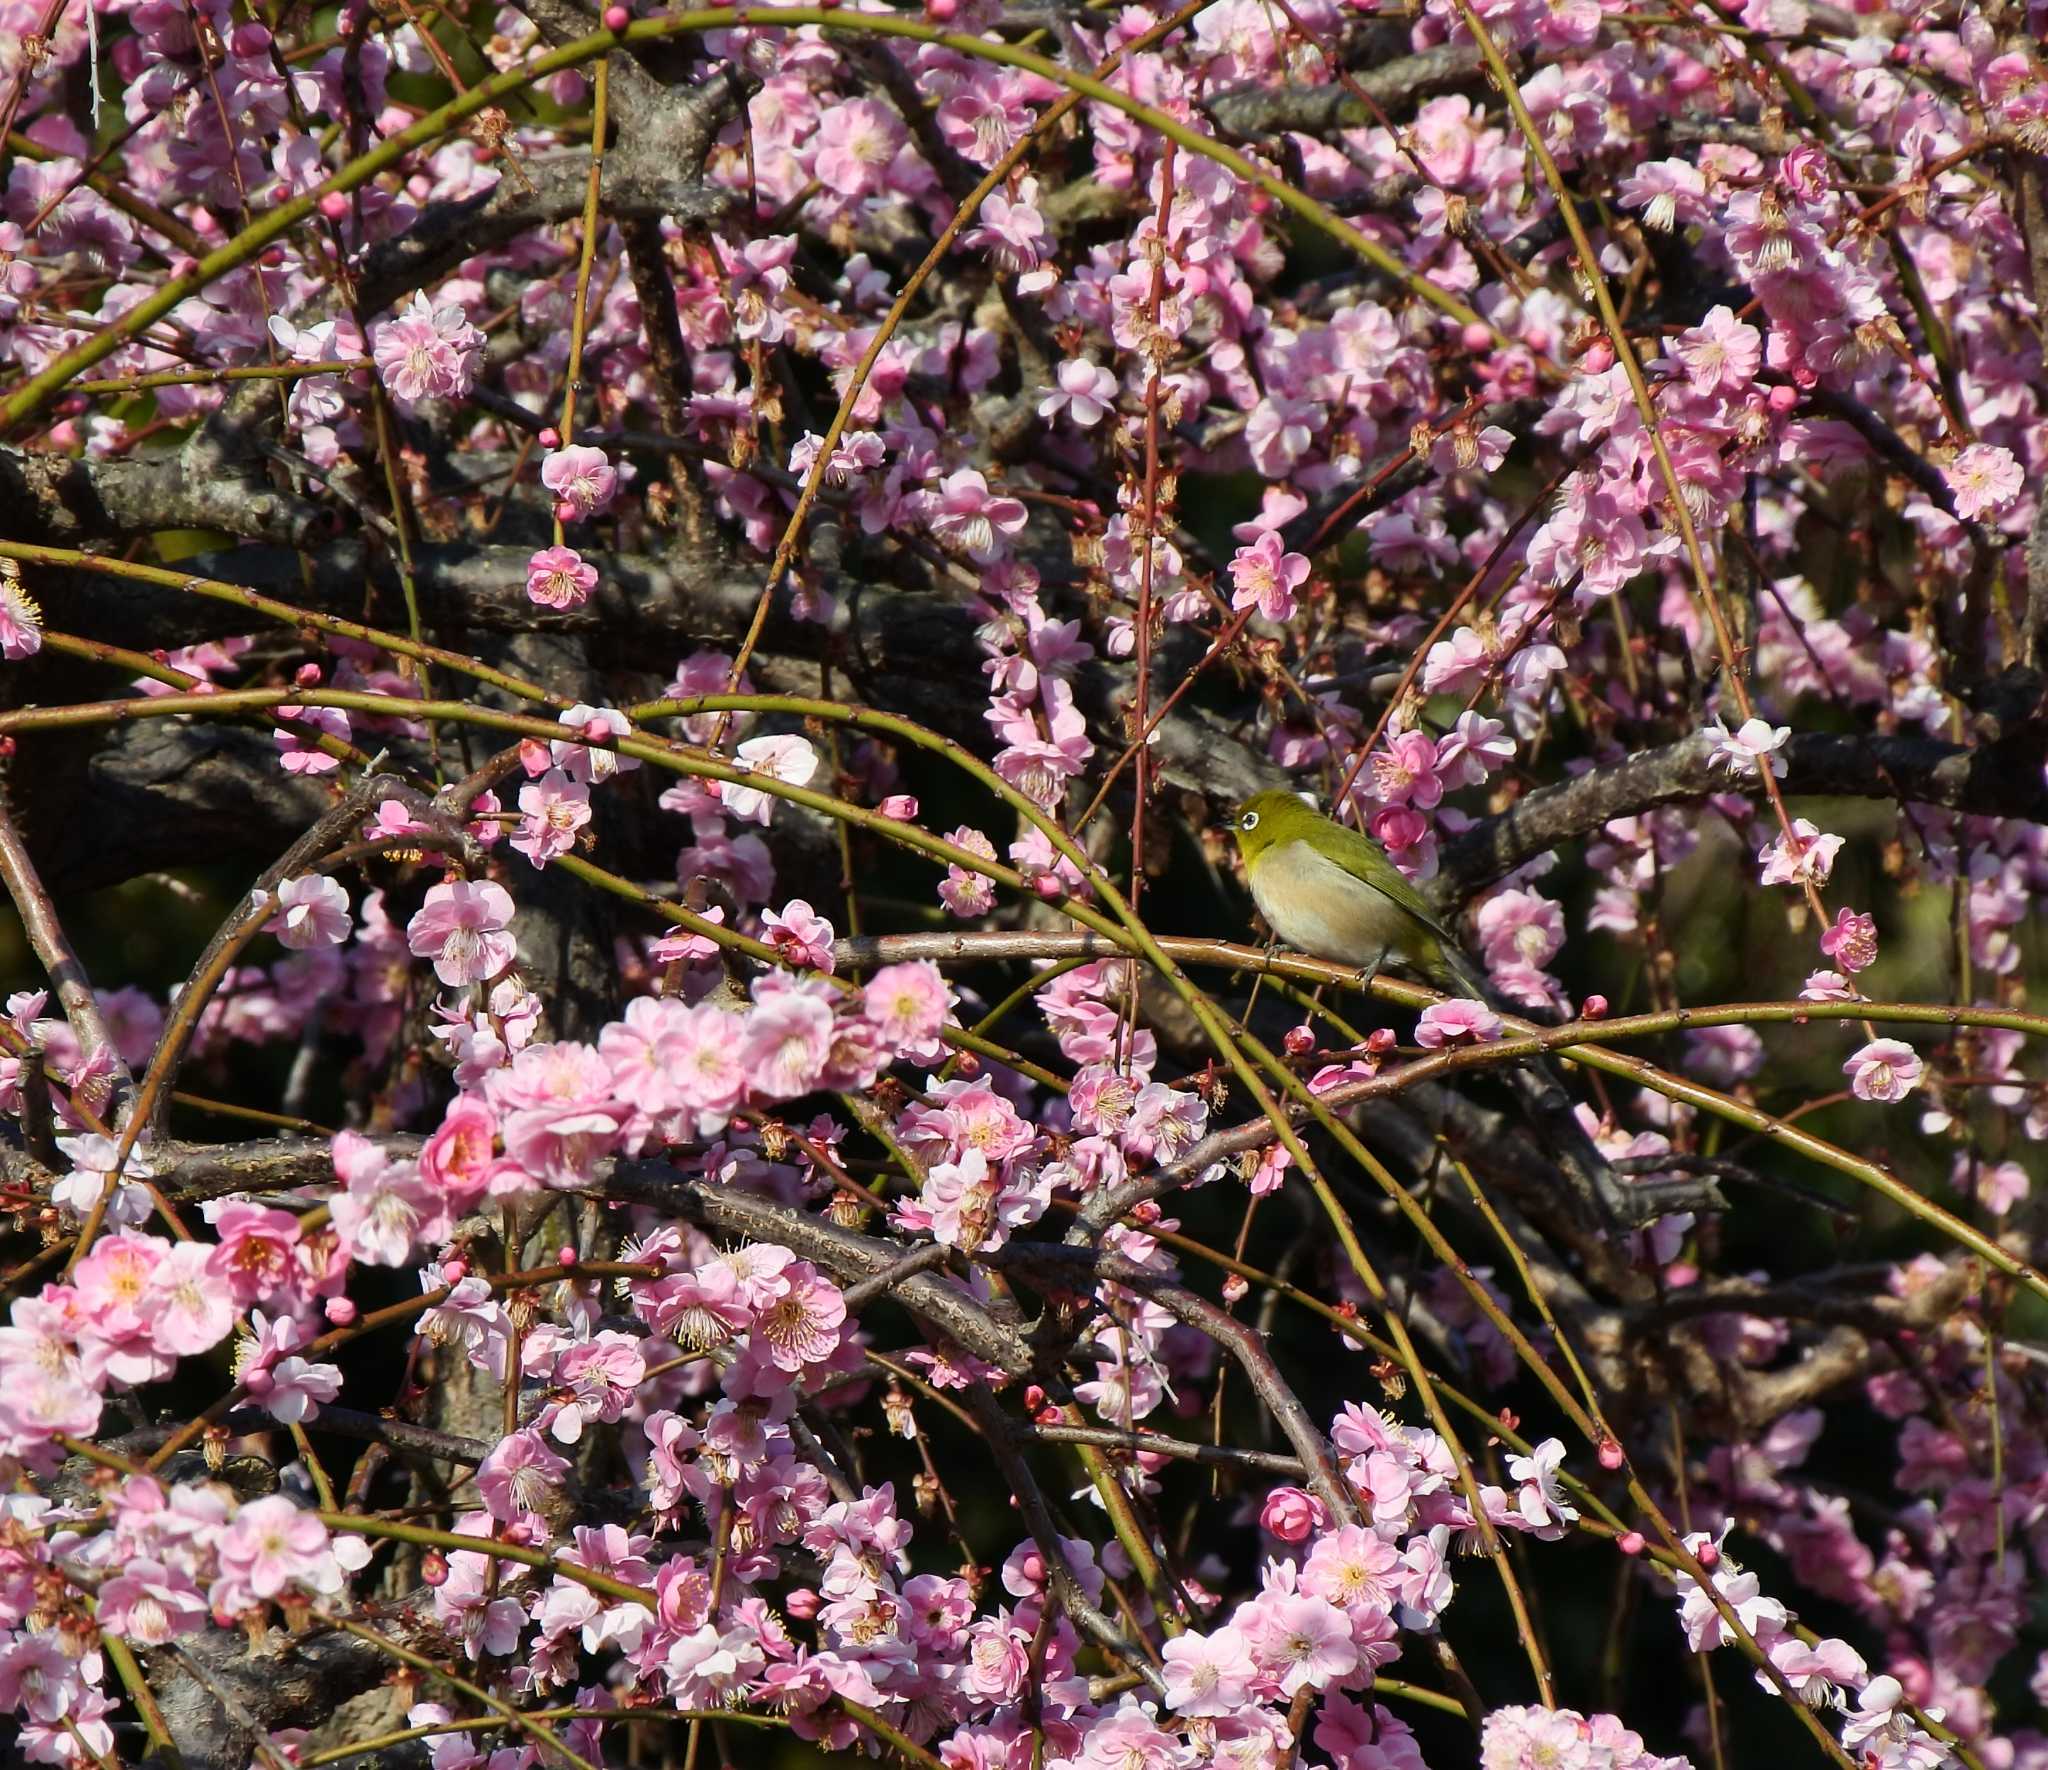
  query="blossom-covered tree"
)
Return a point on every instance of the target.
[{"x": 642, "y": 1118}]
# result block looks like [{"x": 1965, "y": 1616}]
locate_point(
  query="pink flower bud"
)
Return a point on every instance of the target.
[
  {"x": 567, "y": 1257},
  {"x": 1235, "y": 1288},
  {"x": 1047, "y": 1415},
  {"x": 1048, "y": 886},
  {"x": 1630, "y": 1542},
  {"x": 942, "y": 10},
  {"x": 307, "y": 676},
  {"x": 1300, "y": 1040},
  {"x": 1291, "y": 1514},
  {"x": 434, "y": 1568},
  {"x": 454, "y": 1271},
  {"x": 1595, "y": 1008},
  {"x": 334, "y": 206},
  {"x": 340, "y": 1311},
  {"x": 616, "y": 18},
  {"x": 801, "y": 1603},
  {"x": 1034, "y": 1398},
  {"x": 564, "y": 510},
  {"x": 968, "y": 1064},
  {"x": 1611, "y": 1454},
  {"x": 899, "y": 808},
  {"x": 1476, "y": 337},
  {"x": 549, "y": 438},
  {"x": 1709, "y": 1555},
  {"x": 1380, "y": 1040}
]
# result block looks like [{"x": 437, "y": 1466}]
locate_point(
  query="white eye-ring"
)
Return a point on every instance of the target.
[{"x": 1249, "y": 822}]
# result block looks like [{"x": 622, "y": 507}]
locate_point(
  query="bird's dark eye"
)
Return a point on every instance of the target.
[{"x": 1249, "y": 822}]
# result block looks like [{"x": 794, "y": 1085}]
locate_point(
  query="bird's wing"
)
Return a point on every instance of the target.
[{"x": 1362, "y": 858}]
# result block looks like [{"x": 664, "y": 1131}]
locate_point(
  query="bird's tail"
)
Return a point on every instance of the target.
[{"x": 1539, "y": 1086}]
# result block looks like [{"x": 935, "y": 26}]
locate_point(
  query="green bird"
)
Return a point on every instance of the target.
[{"x": 1332, "y": 893}]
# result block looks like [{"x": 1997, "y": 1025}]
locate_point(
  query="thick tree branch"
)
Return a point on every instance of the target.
[
  {"x": 67, "y": 501},
  {"x": 655, "y": 170},
  {"x": 1248, "y": 112},
  {"x": 2003, "y": 779}
]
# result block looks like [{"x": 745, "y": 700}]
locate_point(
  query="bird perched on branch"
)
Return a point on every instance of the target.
[{"x": 1333, "y": 893}]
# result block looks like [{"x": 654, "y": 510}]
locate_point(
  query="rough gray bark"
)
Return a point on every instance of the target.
[{"x": 69, "y": 502}]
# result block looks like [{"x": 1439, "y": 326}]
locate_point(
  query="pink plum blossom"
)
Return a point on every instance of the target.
[
  {"x": 792, "y": 760},
  {"x": 426, "y": 352},
  {"x": 552, "y": 811},
  {"x": 1883, "y": 1070},
  {"x": 312, "y": 911},
  {"x": 1457, "y": 1021},
  {"x": 966, "y": 514},
  {"x": 1265, "y": 576},
  {"x": 582, "y": 478},
  {"x": 21, "y": 619},
  {"x": 1984, "y": 480},
  {"x": 462, "y": 928},
  {"x": 559, "y": 578},
  {"x": 1083, "y": 392}
]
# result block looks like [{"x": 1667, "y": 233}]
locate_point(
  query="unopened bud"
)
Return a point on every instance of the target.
[{"x": 1630, "y": 1542}]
